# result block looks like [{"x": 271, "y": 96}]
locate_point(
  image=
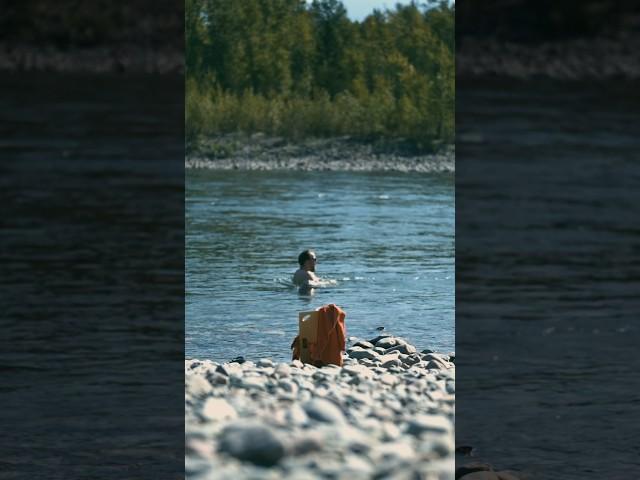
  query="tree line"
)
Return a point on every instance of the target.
[{"x": 293, "y": 68}]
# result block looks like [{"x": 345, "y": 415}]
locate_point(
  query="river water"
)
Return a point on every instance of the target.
[{"x": 386, "y": 239}]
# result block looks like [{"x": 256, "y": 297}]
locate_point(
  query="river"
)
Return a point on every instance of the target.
[{"x": 387, "y": 240}]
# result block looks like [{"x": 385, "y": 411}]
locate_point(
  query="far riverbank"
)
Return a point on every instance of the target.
[{"x": 261, "y": 152}]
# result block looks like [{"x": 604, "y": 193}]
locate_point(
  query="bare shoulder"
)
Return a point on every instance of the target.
[{"x": 301, "y": 277}]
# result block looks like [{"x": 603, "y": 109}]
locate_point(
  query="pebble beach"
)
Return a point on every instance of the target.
[{"x": 388, "y": 412}]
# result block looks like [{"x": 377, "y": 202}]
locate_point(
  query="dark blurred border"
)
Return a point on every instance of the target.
[
  {"x": 92, "y": 239},
  {"x": 97, "y": 36},
  {"x": 546, "y": 246},
  {"x": 570, "y": 40}
]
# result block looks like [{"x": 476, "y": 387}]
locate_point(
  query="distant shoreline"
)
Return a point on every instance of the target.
[{"x": 261, "y": 152}]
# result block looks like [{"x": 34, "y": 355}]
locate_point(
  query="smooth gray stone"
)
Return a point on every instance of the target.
[
  {"x": 324, "y": 410},
  {"x": 388, "y": 379},
  {"x": 288, "y": 386},
  {"x": 252, "y": 442},
  {"x": 196, "y": 467},
  {"x": 369, "y": 363},
  {"x": 253, "y": 383},
  {"x": 401, "y": 341},
  {"x": 327, "y": 373},
  {"x": 435, "y": 365},
  {"x": 390, "y": 431},
  {"x": 216, "y": 378},
  {"x": 282, "y": 370},
  {"x": 394, "y": 362},
  {"x": 296, "y": 416},
  {"x": 428, "y": 423},
  {"x": 379, "y": 337},
  {"x": 197, "y": 386},
  {"x": 379, "y": 350},
  {"x": 218, "y": 409},
  {"x": 438, "y": 445},
  {"x": 450, "y": 386},
  {"x": 412, "y": 359},
  {"x": 397, "y": 369},
  {"x": 307, "y": 443},
  {"x": 265, "y": 362},
  {"x": 304, "y": 384},
  {"x": 404, "y": 348},
  {"x": 387, "y": 342},
  {"x": 363, "y": 344},
  {"x": 356, "y": 468},
  {"x": 390, "y": 356},
  {"x": 433, "y": 356},
  {"x": 361, "y": 354},
  {"x": 358, "y": 371}
]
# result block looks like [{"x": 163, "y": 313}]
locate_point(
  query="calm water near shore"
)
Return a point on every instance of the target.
[{"x": 387, "y": 240}]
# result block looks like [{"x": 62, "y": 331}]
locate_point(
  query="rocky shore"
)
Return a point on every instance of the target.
[
  {"x": 260, "y": 152},
  {"x": 388, "y": 412}
]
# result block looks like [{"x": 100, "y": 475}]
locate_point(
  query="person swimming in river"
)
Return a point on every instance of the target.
[{"x": 305, "y": 277}]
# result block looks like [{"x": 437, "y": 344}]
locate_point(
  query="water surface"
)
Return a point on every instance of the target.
[{"x": 386, "y": 239}]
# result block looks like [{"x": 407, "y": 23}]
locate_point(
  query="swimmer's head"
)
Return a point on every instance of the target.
[{"x": 308, "y": 259}]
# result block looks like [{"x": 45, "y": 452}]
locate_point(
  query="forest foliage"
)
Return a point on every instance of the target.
[{"x": 297, "y": 69}]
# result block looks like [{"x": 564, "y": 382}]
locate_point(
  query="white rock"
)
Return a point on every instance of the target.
[
  {"x": 387, "y": 342},
  {"x": 358, "y": 371},
  {"x": 288, "y": 386},
  {"x": 197, "y": 386},
  {"x": 218, "y": 409},
  {"x": 324, "y": 410},
  {"x": 254, "y": 383},
  {"x": 429, "y": 423},
  {"x": 265, "y": 362},
  {"x": 388, "y": 379},
  {"x": 296, "y": 416},
  {"x": 282, "y": 370}
]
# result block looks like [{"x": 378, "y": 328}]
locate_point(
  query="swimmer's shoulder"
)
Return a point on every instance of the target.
[{"x": 300, "y": 277}]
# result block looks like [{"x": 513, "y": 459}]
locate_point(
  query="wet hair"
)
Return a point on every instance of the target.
[{"x": 304, "y": 256}]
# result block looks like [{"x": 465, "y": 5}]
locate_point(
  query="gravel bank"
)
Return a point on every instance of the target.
[
  {"x": 387, "y": 413},
  {"x": 259, "y": 152}
]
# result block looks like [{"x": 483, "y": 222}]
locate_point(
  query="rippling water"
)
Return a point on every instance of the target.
[
  {"x": 387, "y": 239},
  {"x": 548, "y": 276}
]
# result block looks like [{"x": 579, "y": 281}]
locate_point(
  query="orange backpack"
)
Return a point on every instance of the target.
[{"x": 328, "y": 343}]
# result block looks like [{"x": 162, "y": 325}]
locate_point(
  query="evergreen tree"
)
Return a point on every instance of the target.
[{"x": 287, "y": 67}]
